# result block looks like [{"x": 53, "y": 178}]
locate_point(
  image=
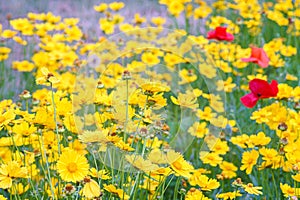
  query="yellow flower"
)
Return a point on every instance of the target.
[
  {"x": 288, "y": 51},
  {"x": 260, "y": 139},
  {"x": 228, "y": 169},
  {"x": 227, "y": 85},
  {"x": 4, "y": 51},
  {"x": 72, "y": 166},
  {"x": 18, "y": 189},
  {"x": 9, "y": 172},
  {"x": 207, "y": 70},
  {"x": 106, "y": 26},
  {"x": 115, "y": 6},
  {"x": 206, "y": 114},
  {"x": 288, "y": 191},
  {"x": 91, "y": 188},
  {"x": 205, "y": 183},
  {"x": 141, "y": 164},
  {"x": 119, "y": 192},
  {"x": 198, "y": 129},
  {"x": 202, "y": 11},
  {"x": 195, "y": 194},
  {"x": 8, "y": 34},
  {"x": 101, "y": 137},
  {"x": 284, "y": 91},
  {"x": 20, "y": 40},
  {"x": 212, "y": 159},
  {"x": 24, "y": 129},
  {"x": 154, "y": 87},
  {"x": 102, "y": 174},
  {"x": 219, "y": 147},
  {"x": 46, "y": 77},
  {"x": 229, "y": 195},
  {"x": 150, "y": 59},
  {"x": 187, "y": 76},
  {"x": 249, "y": 188},
  {"x": 158, "y": 21},
  {"x": 23, "y": 66},
  {"x": 187, "y": 100},
  {"x": 157, "y": 156},
  {"x": 6, "y": 117},
  {"x": 180, "y": 166},
  {"x": 175, "y": 8},
  {"x": 249, "y": 160},
  {"x": 296, "y": 177},
  {"x": 291, "y": 77},
  {"x": 138, "y": 19},
  {"x": 101, "y": 7}
]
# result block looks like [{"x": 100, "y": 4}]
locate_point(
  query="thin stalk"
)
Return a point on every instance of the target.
[
  {"x": 55, "y": 120},
  {"x": 176, "y": 188}
]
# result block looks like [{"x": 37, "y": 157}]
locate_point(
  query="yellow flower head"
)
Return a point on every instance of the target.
[
  {"x": 9, "y": 172},
  {"x": 249, "y": 188},
  {"x": 47, "y": 77},
  {"x": 72, "y": 166},
  {"x": 91, "y": 188}
]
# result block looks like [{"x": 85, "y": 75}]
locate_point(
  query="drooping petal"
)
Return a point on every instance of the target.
[
  {"x": 249, "y": 100},
  {"x": 263, "y": 58},
  {"x": 274, "y": 87},
  {"x": 258, "y": 56}
]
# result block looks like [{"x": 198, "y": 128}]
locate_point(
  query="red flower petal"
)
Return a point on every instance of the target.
[
  {"x": 220, "y": 34},
  {"x": 249, "y": 100},
  {"x": 274, "y": 86},
  {"x": 258, "y": 56},
  {"x": 262, "y": 89}
]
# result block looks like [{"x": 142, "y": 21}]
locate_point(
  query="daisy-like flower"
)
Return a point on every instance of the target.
[
  {"x": 119, "y": 192},
  {"x": 229, "y": 195},
  {"x": 141, "y": 164},
  {"x": 249, "y": 160},
  {"x": 47, "y": 77},
  {"x": 250, "y": 189},
  {"x": 72, "y": 166},
  {"x": 206, "y": 184},
  {"x": 91, "y": 188},
  {"x": 195, "y": 194},
  {"x": 187, "y": 100},
  {"x": 9, "y": 172},
  {"x": 180, "y": 166},
  {"x": 154, "y": 87}
]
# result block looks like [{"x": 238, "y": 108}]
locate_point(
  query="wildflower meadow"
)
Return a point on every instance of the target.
[{"x": 145, "y": 100}]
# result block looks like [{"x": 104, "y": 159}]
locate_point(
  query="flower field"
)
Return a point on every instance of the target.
[{"x": 170, "y": 99}]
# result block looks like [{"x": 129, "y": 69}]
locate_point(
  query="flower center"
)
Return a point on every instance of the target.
[
  {"x": 2, "y": 119},
  {"x": 72, "y": 167},
  {"x": 177, "y": 165}
]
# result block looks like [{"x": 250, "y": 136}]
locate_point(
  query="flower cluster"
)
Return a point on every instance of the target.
[{"x": 199, "y": 111}]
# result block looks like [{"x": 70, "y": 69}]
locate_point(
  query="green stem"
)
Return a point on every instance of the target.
[
  {"x": 55, "y": 120},
  {"x": 176, "y": 188}
]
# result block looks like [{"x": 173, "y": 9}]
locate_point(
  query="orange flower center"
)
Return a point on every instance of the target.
[
  {"x": 2, "y": 119},
  {"x": 72, "y": 167},
  {"x": 177, "y": 165}
]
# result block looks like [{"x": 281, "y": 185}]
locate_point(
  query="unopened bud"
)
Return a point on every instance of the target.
[{"x": 126, "y": 75}]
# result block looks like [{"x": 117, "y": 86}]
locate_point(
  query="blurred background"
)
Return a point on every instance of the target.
[{"x": 79, "y": 9}]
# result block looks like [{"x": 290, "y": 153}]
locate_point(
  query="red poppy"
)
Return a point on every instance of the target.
[
  {"x": 220, "y": 34},
  {"x": 260, "y": 89},
  {"x": 258, "y": 56}
]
